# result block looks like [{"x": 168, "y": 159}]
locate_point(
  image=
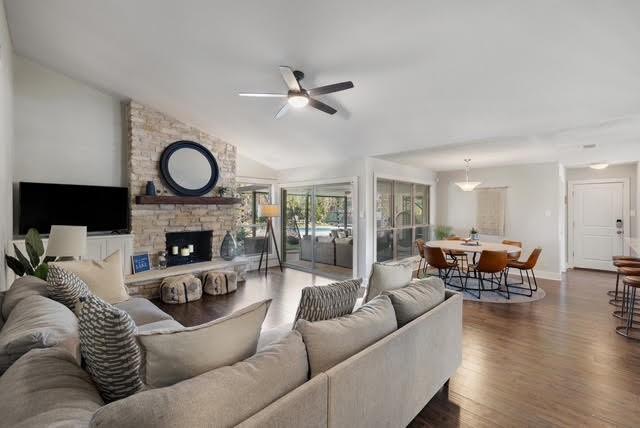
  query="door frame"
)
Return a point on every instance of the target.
[
  {"x": 626, "y": 196},
  {"x": 355, "y": 201}
]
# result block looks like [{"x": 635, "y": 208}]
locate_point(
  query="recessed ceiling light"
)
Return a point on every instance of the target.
[{"x": 601, "y": 165}]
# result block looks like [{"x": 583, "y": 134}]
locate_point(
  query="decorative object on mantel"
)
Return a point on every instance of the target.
[
  {"x": 186, "y": 200},
  {"x": 474, "y": 235},
  {"x": 269, "y": 211},
  {"x": 33, "y": 265},
  {"x": 467, "y": 185},
  {"x": 67, "y": 242},
  {"x": 229, "y": 247},
  {"x": 140, "y": 262},
  {"x": 222, "y": 191},
  {"x": 150, "y": 189},
  {"x": 189, "y": 168},
  {"x": 162, "y": 260}
]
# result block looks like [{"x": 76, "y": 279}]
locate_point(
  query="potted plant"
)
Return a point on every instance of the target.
[
  {"x": 442, "y": 232},
  {"x": 474, "y": 234},
  {"x": 33, "y": 265}
]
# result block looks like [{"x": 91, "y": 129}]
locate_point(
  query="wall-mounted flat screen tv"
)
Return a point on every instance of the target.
[{"x": 100, "y": 208}]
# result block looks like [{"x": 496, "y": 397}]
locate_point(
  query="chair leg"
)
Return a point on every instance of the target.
[
  {"x": 535, "y": 281},
  {"x": 506, "y": 286},
  {"x": 419, "y": 267}
]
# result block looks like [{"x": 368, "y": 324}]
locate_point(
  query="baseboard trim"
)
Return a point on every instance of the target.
[{"x": 542, "y": 274}]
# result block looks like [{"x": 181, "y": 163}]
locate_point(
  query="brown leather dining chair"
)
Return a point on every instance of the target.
[
  {"x": 458, "y": 255},
  {"x": 493, "y": 263},
  {"x": 436, "y": 259},
  {"x": 525, "y": 266},
  {"x": 421, "y": 247},
  {"x": 513, "y": 256}
]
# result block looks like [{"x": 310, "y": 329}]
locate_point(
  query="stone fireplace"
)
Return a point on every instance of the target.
[
  {"x": 199, "y": 242},
  {"x": 149, "y": 132}
]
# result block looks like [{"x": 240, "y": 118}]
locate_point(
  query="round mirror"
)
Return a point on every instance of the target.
[{"x": 188, "y": 168}]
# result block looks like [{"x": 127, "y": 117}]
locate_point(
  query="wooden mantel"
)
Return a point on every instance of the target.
[{"x": 184, "y": 200}]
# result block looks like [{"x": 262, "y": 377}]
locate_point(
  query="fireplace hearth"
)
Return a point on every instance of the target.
[{"x": 180, "y": 242}]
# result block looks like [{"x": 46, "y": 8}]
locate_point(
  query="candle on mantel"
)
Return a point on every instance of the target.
[
  {"x": 174, "y": 250},
  {"x": 184, "y": 251},
  {"x": 190, "y": 248}
]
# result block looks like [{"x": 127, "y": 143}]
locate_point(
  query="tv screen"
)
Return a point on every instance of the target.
[{"x": 101, "y": 209}]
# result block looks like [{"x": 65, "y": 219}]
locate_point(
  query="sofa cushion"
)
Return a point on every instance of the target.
[
  {"x": 159, "y": 325},
  {"x": 388, "y": 276},
  {"x": 142, "y": 311},
  {"x": 22, "y": 287},
  {"x": 109, "y": 348},
  {"x": 170, "y": 356},
  {"x": 46, "y": 387},
  {"x": 420, "y": 296},
  {"x": 1, "y": 317},
  {"x": 332, "y": 341},
  {"x": 37, "y": 322},
  {"x": 223, "y": 397},
  {"x": 65, "y": 287},
  {"x": 328, "y": 301},
  {"x": 104, "y": 278}
]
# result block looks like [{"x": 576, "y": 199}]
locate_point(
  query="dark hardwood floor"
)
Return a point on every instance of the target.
[{"x": 554, "y": 362}]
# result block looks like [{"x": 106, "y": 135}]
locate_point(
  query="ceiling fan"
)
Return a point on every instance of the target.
[{"x": 299, "y": 97}]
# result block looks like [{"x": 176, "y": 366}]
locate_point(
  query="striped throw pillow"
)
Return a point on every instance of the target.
[
  {"x": 65, "y": 286},
  {"x": 109, "y": 348},
  {"x": 328, "y": 301}
]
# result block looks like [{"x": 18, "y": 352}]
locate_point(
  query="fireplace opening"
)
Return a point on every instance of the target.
[{"x": 189, "y": 247}]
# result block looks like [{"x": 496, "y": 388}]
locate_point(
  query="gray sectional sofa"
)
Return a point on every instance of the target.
[{"x": 384, "y": 385}]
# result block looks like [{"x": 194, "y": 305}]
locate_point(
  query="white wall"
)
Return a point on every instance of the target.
[
  {"x": 637, "y": 234},
  {"x": 248, "y": 168},
  {"x": 65, "y": 130},
  {"x": 629, "y": 171},
  {"x": 365, "y": 170},
  {"x": 6, "y": 140},
  {"x": 533, "y": 209}
]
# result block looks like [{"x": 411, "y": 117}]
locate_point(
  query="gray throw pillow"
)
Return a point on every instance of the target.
[
  {"x": 328, "y": 301},
  {"x": 37, "y": 322},
  {"x": 388, "y": 276},
  {"x": 22, "y": 287},
  {"x": 65, "y": 286},
  {"x": 419, "y": 297},
  {"x": 109, "y": 348},
  {"x": 333, "y": 341}
]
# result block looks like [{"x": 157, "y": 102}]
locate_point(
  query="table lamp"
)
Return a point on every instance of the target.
[
  {"x": 67, "y": 242},
  {"x": 269, "y": 211}
]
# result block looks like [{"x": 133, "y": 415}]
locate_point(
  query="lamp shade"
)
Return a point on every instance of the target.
[
  {"x": 468, "y": 186},
  {"x": 269, "y": 210},
  {"x": 67, "y": 241}
]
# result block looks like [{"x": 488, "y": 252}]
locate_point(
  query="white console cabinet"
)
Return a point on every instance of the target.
[{"x": 98, "y": 247}]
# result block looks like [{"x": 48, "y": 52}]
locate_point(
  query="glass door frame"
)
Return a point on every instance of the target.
[{"x": 355, "y": 195}]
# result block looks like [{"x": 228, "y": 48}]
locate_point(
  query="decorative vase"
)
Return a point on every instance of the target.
[
  {"x": 475, "y": 236},
  {"x": 151, "y": 188},
  {"x": 229, "y": 247}
]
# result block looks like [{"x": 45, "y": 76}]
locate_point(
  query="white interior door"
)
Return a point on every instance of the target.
[{"x": 598, "y": 229}]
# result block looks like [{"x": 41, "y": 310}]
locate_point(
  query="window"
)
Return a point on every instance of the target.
[
  {"x": 252, "y": 228},
  {"x": 402, "y": 216}
]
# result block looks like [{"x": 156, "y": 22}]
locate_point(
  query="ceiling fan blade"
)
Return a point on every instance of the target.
[
  {"x": 283, "y": 111},
  {"x": 321, "y": 106},
  {"x": 289, "y": 78},
  {"x": 330, "y": 88},
  {"x": 261, "y": 95}
]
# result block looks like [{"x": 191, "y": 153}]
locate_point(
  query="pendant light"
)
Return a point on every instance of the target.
[{"x": 467, "y": 185}]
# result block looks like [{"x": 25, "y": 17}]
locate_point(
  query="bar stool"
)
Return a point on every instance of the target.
[
  {"x": 623, "y": 312},
  {"x": 619, "y": 264},
  {"x": 613, "y": 293},
  {"x": 632, "y": 283}
]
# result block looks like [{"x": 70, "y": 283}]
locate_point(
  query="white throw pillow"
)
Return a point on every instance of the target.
[
  {"x": 388, "y": 276},
  {"x": 104, "y": 278},
  {"x": 172, "y": 355}
]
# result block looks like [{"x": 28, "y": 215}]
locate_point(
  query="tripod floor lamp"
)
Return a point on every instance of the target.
[{"x": 269, "y": 211}]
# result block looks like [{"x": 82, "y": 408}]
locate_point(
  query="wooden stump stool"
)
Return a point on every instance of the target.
[
  {"x": 220, "y": 282},
  {"x": 180, "y": 289}
]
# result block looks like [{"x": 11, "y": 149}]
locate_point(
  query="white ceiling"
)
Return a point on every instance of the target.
[{"x": 426, "y": 73}]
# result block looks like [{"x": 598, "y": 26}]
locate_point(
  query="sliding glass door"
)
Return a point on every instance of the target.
[
  {"x": 317, "y": 228},
  {"x": 402, "y": 216}
]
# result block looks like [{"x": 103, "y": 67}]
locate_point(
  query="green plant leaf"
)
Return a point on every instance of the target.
[
  {"x": 34, "y": 258},
  {"x": 25, "y": 263},
  {"x": 48, "y": 259},
  {"x": 41, "y": 271},
  {"x": 15, "y": 265},
  {"x": 33, "y": 239}
]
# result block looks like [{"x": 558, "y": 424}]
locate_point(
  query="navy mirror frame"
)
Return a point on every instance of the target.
[{"x": 183, "y": 191}]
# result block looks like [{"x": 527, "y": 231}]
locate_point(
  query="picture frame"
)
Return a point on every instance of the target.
[{"x": 140, "y": 263}]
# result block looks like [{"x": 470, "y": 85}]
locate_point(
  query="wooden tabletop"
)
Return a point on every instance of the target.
[{"x": 451, "y": 245}]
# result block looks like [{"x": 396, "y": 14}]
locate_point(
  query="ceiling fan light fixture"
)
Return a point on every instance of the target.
[
  {"x": 468, "y": 186},
  {"x": 599, "y": 165},
  {"x": 298, "y": 100}
]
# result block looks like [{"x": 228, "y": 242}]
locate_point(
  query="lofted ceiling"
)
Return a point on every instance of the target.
[{"x": 426, "y": 73}]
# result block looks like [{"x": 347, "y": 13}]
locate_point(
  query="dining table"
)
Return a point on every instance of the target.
[{"x": 474, "y": 247}]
